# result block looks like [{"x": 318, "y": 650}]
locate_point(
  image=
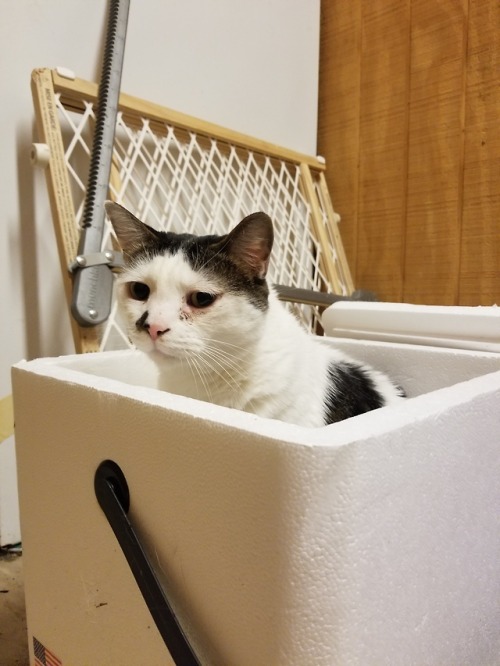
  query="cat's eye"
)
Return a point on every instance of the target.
[
  {"x": 200, "y": 299},
  {"x": 138, "y": 291}
]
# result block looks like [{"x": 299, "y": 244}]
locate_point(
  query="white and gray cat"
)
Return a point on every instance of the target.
[{"x": 202, "y": 307}]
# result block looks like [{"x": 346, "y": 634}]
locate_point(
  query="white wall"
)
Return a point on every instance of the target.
[{"x": 251, "y": 65}]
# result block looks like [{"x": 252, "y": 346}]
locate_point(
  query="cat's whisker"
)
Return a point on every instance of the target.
[
  {"x": 206, "y": 375},
  {"x": 193, "y": 363},
  {"x": 221, "y": 371},
  {"x": 210, "y": 357},
  {"x": 188, "y": 361},
  {"x": 232, "y": 362},
  {"x": 236, "y": 360},
  {"x": 225, "y": 343}
]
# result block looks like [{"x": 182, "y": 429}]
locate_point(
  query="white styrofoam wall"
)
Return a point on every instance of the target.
[
  {"x": 252, "y": 66},
  {"x": 370, "y": 541}
]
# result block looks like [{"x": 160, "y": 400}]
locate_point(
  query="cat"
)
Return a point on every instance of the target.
[{"x": 201, "y": 307}]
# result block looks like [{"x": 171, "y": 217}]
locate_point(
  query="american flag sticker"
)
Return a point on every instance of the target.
[{"x": 44, "y": 657}]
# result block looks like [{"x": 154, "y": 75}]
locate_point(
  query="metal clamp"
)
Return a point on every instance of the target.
[{"x": 109, "y": 258}]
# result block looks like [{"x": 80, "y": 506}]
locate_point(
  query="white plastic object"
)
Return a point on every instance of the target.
[
  {"x": 457, "y": 327},
  {"x": 66, "y": 73},
  {"x": 40, "y": 154}
]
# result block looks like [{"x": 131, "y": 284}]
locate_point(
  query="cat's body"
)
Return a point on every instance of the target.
[{"x": 202, "y": 308}]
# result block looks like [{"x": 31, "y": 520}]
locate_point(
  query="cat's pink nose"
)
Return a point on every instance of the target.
[{"x": 156, "y": 331}]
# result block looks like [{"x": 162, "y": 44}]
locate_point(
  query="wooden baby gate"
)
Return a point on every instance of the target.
[{"x": 182, "y": 174}]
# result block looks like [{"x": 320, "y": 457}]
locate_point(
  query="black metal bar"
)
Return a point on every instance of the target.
[
  {"x": 318, "y": 298},
  {"x": 112, "y": 493}
]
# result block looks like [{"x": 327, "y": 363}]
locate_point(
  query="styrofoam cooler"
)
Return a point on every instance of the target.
[{"x": 375, "y": 540}]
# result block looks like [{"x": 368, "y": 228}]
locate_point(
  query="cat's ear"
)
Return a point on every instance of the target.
[
  {"x": 133, "y": 235},
  {"x": 249, "y": 244}
]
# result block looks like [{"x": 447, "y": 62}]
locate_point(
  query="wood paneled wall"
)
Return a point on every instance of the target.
[{"x": 409, "y": 123}]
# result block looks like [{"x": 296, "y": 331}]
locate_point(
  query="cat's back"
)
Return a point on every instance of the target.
[
  {"x": 305, "y": 380},
  {"x": 290, "y": 373}
]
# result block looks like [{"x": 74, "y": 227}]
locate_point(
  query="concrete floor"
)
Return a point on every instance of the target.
[{"x": 13, "y": 633}]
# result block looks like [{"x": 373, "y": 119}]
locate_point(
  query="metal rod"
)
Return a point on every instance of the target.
[
  {"x": 318, "y": 298},
  {"x": 93, "y": 285}
]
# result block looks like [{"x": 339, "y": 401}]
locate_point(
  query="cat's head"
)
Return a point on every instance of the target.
[{"x": 183, "y": 294}]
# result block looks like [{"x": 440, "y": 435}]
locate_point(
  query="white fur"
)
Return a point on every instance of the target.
[{"x": 231, "y": 353}]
